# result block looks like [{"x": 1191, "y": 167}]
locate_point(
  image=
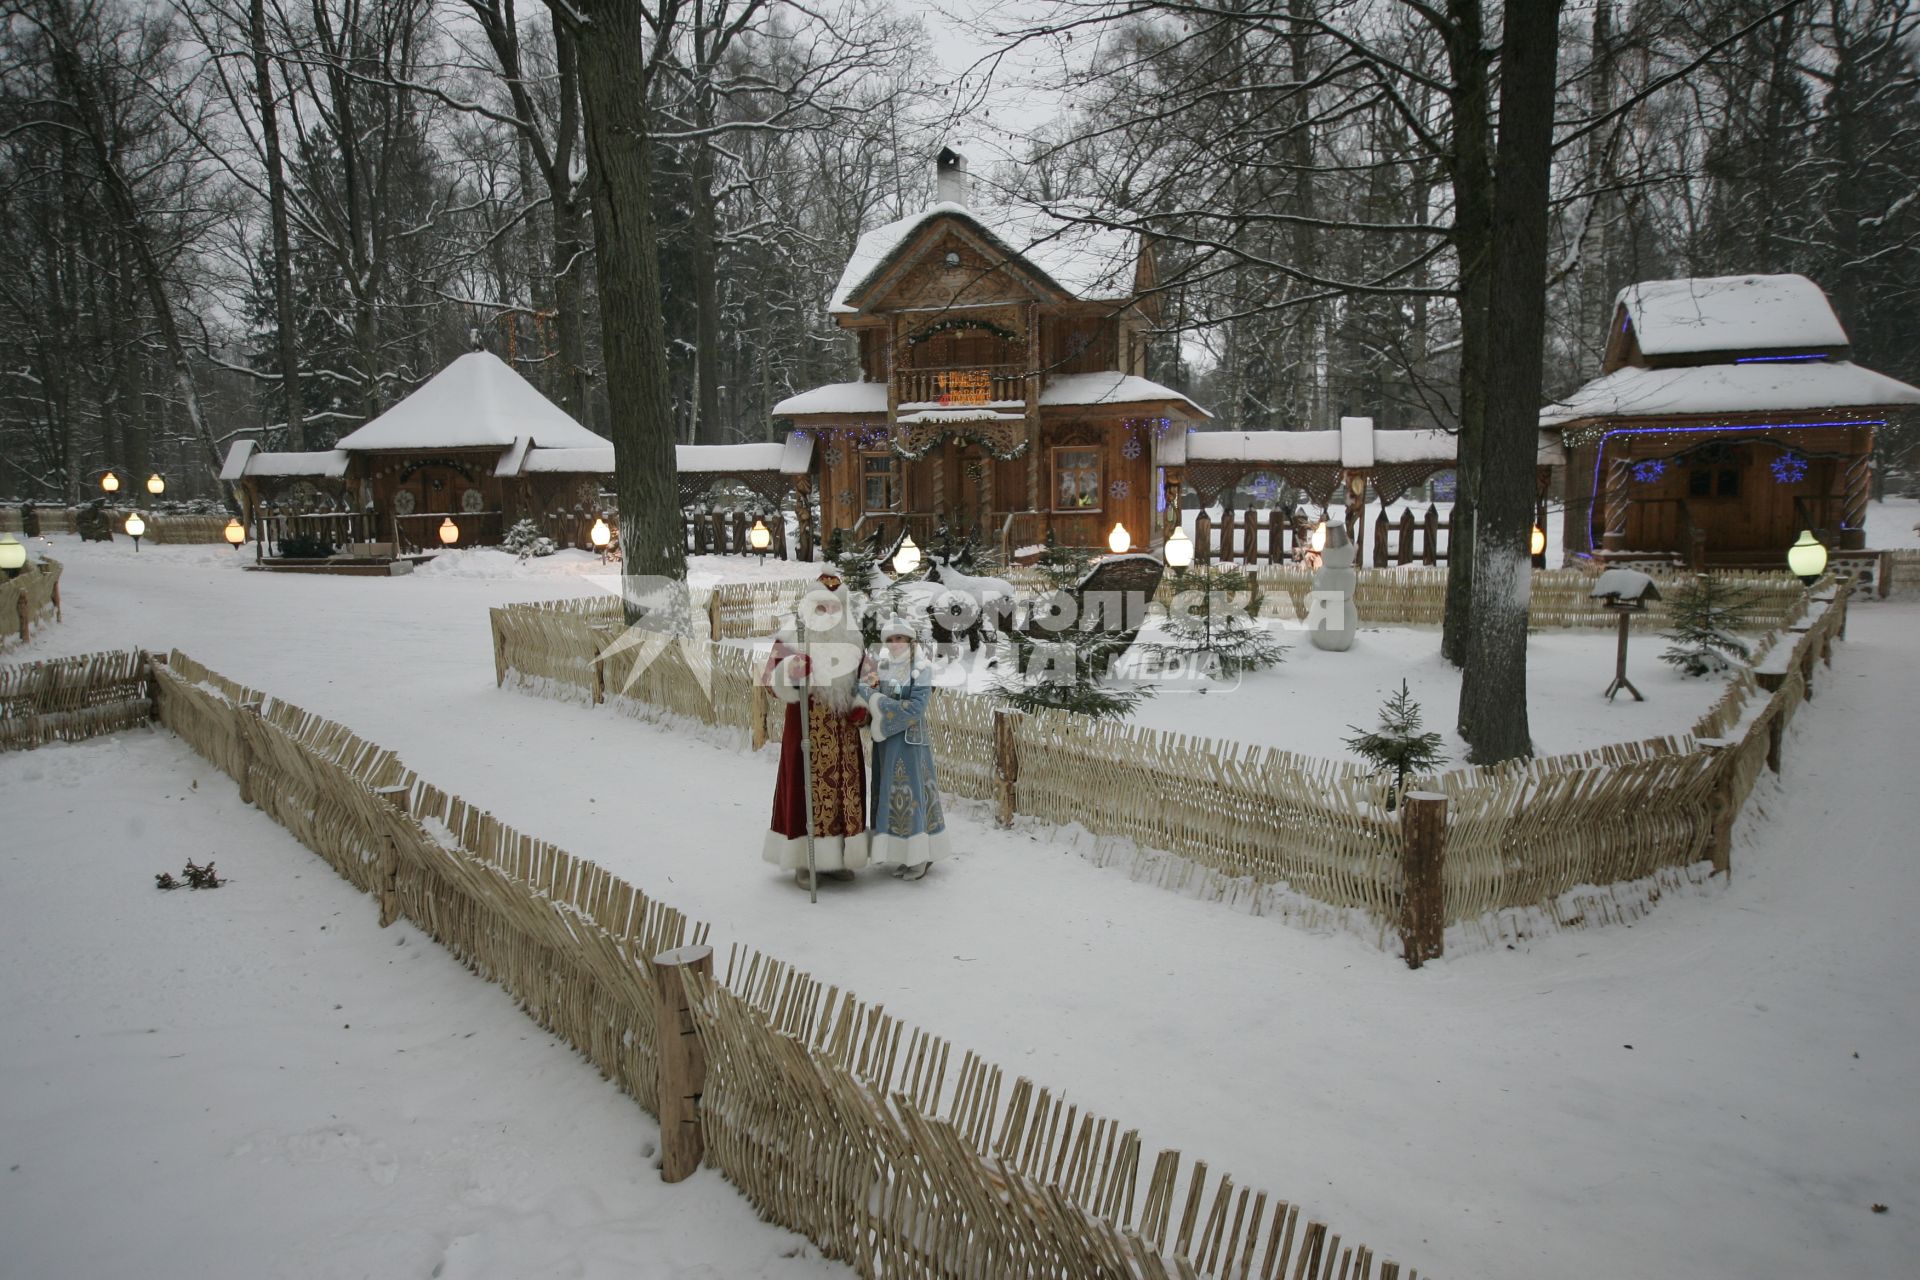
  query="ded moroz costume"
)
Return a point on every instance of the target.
[
  {"x": 818, "y": 653},
  {"x": 909, "y": 831}
]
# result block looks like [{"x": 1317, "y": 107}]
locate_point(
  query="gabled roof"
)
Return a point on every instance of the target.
[
  {"x": 1731, "y": 313},
  {"x": 244, "y": 459},
  {"x": 475, "y": 402},
  {"x": 1730, "y": 388},
  {"x": 1088, "y": 262}
]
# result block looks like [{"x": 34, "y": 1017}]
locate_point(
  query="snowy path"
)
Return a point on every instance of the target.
[{"x": 1480, "y": 1118}]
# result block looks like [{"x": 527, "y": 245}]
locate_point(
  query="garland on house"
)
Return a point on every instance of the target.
[{"x": 950, "y": 326}]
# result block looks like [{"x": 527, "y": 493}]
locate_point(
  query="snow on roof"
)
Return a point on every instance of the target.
[
  {"x": 1110, "y": 388},
  {"x": 589, "y": 461},
  {"x": 1264, "y": 446},
  {"x": 1730, "y": 388},
  {"x": 1731, "y": 313},
  {"x": 1623, "y": 584},
  {"x": 1090, "y": 262},
  {"x": 245, "y": 459},
  {"x": 835, "y": 397},
  {"x": 729, "y": 457},
  {"x": 474, "y": 402}
]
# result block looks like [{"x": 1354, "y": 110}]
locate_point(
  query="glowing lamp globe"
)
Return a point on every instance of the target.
[
  {"x": 155, "y": 485},
  {"x": 1179, "y": 550},
  {"x": 1807, "y": 558},
  {"x": 13, "y": 556},
  {"x": 235, "y": 533},
  {"x": 907, "y": 559},
  {"x": 1119, "y": 540},
  {"x": 1539, "y": 542},
  {"x": 760, "y": 537},
  {"x": 110, "y": 482},
  {"x": 1319, "y": 539},
  {"x": 449, "y": 532},
  {"x": 600, "y": 535},
  {"x": 135, "y": 526}
]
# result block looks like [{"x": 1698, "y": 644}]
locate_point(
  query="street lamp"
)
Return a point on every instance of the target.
[
  {"x": 13, "y": 556},
  {"x": 1539, "y": 543},
  {"x": 907, "y": 558},
  {"x": 760, "y": 538},
  {"x": 135, "y": 527},
  {"x": 1807, "y": 558},
  {"x": 1119, "y": 540},
  {"x": 1178, "y": 552},
  {"x": 235, "y": 533},
  {"x": 449, "y": 532},
  {"x": 1318, "y": 542},
  {"x": 155, "y": 485},
  {"x": 601, "y": 537},
  {"x": 110, "y": 482}
]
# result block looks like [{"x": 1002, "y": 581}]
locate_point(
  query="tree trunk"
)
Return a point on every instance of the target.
[
  {"x": 282, "y": 240},
  {"x": 1493, "y": 690},
  {"x": 1471, "y": 172},
  {"x": 611, "y": 48}
]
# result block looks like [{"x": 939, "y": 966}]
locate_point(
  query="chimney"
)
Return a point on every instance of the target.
[{"x": 950, "y": 180}]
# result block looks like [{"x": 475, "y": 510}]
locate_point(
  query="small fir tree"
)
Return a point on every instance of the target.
[
  {"x": 1066, "y": 669},
  {"x": 1229, "y": 632},
  {"x": 525, "y": 539},
  {"x": 1398, "y": 746},
  {"x": 1706, "y": 613}
]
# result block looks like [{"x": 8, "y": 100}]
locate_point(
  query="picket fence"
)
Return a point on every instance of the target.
[
  {"x": 837, "y": 1120},
  {"x": 1552, "y": 842}
]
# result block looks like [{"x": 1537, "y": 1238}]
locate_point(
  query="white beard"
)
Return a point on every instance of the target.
[{"x": 835, "y": 652}]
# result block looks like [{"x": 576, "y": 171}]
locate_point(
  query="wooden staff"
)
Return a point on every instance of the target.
[{"x": 806, "y": 750}]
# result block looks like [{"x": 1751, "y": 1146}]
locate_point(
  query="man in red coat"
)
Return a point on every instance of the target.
[{"x": 819, "y": 651}]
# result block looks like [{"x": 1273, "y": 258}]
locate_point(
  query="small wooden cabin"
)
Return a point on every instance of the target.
[
  {"x": 1727, "y": 418},
  {"x": 1002, "y": 384}
]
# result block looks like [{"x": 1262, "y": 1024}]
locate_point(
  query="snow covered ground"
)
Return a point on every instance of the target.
[{"x": 1484, "y": 1116}]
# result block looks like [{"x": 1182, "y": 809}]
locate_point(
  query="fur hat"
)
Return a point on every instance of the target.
[{"x": 898, "y": 626}]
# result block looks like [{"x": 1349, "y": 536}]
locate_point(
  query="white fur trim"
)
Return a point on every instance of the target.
[
  {"x": 830, "y": 853},
  {"x": 907, "y": 851}
]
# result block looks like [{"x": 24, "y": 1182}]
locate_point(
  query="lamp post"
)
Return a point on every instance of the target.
[
  {"x": 135, "y": 528},
  {"x": 235, "y": 533},
  {"x": 449, "y": 532},
  {"x": 110, "y": 483},
  {"x": 601, "y": 536},
  {"x": 1119, "y": 541},
  {"x": 155, "y": 485},
  {"x": 1178, "y": 553},
  {"x": 760, "y": 538},
  {"x": 1537, "y": 547},
  {"x": 1807, "y": 558},
  {"x": 907, "y": 558}
]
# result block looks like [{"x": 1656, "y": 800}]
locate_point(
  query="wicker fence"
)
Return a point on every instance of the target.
[
  {"x": 835, "y": 1119},
  {"x": 71, "y": 699},
  {"x": 1552, "y": 842},
  {"x": 27, "y": 599},
  {"x": 160, "y": 528}
]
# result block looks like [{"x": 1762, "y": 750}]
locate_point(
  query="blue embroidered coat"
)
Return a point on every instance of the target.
[{"x": 907, "y": 826}]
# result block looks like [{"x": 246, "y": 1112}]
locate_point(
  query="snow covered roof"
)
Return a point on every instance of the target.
[
  {"x": 1731, "y": 313},
  {"x": 588, "y": 461},
  {"x": 1110, "y": 388},
  {"x": 474, "y": 402},
  {"x": 1356, "y": 446},
  {"x": 1089, "y": 262},
  {"x": 245, "y": 459},
  {"x": 791, "y": 456},
  {"x": 1730, "y": 388},
  {"x": 836, "y": 397}
]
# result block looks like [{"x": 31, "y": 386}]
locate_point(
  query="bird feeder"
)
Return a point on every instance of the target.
[{"x": 1624, "y": 592}]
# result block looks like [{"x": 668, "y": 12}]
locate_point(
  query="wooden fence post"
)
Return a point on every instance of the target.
[
  {"x": 680, "y": 1060},
  {"x": 499, "y": 651},
  {"x": 247, "y": 722},
  {"x": 757, "y": 714},
  {"x": 1776, "y": 731},
  {"x": 388, "y": 884},
  {"x": 1721, "y": 806},
  {"x": 1423, "y": 831},
  {"x": 713, "y": 615},
  {"x": 599, "y": 666},
  {"x": 26, "y": 617},
  {"x": 1006, "y": 764}
]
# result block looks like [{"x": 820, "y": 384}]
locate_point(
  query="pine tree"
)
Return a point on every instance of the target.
[
  {"x": 1233, "y": 638},
  {"x": 1705, "y": 614},
  {"x": 1064, "y": 670},
  {"x": 1398, "y": 746}
]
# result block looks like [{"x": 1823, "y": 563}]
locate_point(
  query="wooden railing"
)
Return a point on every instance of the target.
[
  {"x": 724, "y": 533},
  {"x": 1410, "y": 541},
  {"x": 971, "y": 384}
]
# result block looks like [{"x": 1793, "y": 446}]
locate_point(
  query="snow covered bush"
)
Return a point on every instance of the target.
[{"x": 525, "y": 539}]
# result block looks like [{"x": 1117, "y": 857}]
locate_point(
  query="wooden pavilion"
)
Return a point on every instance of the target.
[
  {"x": 1727, "y": 418},
  {"x": 1003, "y": 385}
]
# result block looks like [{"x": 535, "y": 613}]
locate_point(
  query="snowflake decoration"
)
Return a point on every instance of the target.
[
  {"x": 844, "y": 499},
  {"x": 1132, "y": 448},
  {"x": 1264, "y": 488},
  {"x": 833, "y": 455},
  {"x": 1789, "y": 468},
  {"x": 1119, "y": 488},
  {"x": 1649, "y": 471}
]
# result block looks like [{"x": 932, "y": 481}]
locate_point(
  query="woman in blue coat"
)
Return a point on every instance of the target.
[{"x": 908, "y": 831}]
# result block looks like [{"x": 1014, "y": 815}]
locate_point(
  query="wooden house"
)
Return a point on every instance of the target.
[
  {"x": 1002, "y": 388},
  {"x": 1726, "y": 420}
]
